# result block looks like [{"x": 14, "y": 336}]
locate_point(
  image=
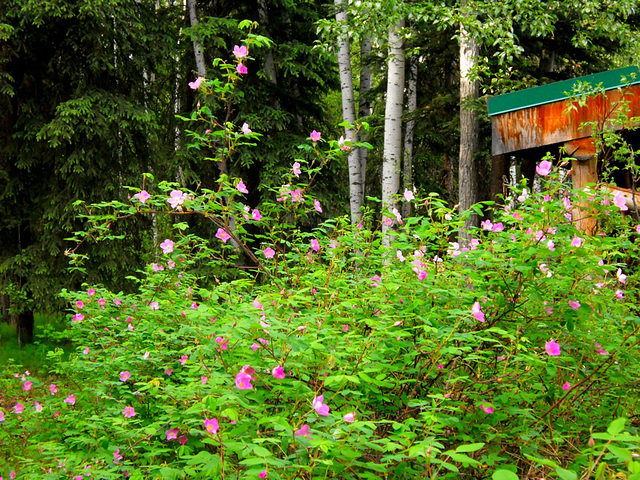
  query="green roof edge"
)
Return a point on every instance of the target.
[{"x": 554, "y": 92}]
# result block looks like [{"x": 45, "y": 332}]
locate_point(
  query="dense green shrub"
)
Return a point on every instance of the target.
[{"x": 330, "y": 356}]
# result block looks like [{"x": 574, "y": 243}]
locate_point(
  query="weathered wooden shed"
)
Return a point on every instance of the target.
[{"x": 546, "y": 116}]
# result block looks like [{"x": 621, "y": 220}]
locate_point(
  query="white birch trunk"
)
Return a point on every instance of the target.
[
  {"x": 356, "y": 196},
  {"x": 392, "y": 126},
  {"x": 469, "y": 126},
  {"x": 412, "y": 103},
  {"x": 197, "y": 48},
  {"x": 365, "y": 107}
]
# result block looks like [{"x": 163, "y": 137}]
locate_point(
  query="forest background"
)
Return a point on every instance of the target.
[{"x": 91, "y": 93}]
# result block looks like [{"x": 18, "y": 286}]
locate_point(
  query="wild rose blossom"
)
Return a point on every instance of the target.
[
  {"x": 320, "y": 407},
  {"x": 278, "y": 372},
  {"x": 552, "y": 348},
  {"x": 315, "y": 135},
  {"x": 195, "y": 85},
  {"x": 143, "y": 196},
  {"x": 240, "y": 51},
  {"x": 544, "y": 168}
]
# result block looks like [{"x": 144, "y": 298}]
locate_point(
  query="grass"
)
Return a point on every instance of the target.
[{"x": 32, "y": 357}]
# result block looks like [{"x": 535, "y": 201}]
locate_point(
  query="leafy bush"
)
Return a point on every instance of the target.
[{"x": 331, "y": 356}]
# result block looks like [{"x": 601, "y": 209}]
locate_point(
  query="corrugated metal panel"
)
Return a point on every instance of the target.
[{"x": 554, "y": 92}]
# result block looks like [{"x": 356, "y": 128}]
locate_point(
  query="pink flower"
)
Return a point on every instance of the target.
[
  {"x": 154, "y": 306},
  {"x": 167, "y": 246},
  {"x": 576, "y": 242},
  {"x": 102, "y": 302},
  {"x": 242, "y": 188},
  {"x": 79, "y": 304},
  {"x": 278, "y": 372},
  {"x": 255, "y": 346},
  {"x": 552, "y": 347},
  {"x": 551, "y": 246},
  {"x": 566, "y": 386},
  {"x": 117, "y": 301},
  {"x": 183, "y": 359},
  {"x": 375, "y": 281},
  {"x": 317, "y": 206},
  {"x": 222, "y": 235},
  {"x": 182, "y": 439},
  {"x": 241, "y": 69},
  {"x": 315, "y": 136},
  {"x": 296, "y": 169},
  {"x": 620, "y": 202},
  {"x": 303, "y": 431},
  {"x": 195, "y": 85},
  {"x": 71, "y": 399},
  {"x": 315, "y": 246},
  {"x": 204, "y": 380},
  {"x": 129, "y": 412},
  {"x": 487, "y": 409},
  {"x": 53, "y": 389},
  {"x": 78, "y": 317},
  {"x": 211, "y": 425},
  {"x": 245, "y": 129},
  {"x": 38, "y": 407},
  {"x": 244, "y": 377},
  {"x": 600, "y": 350},
  {"x": 342, "y": 143},
  {"x": 269, "y": 252},
  {"x": 12, "y": 474},
  {"x": 1, "y": 416},
  {"x": 240, "y": 52},
  {"x": 172, "y": 433},
  {"x": 116, "y": 456},
  {"x": 143, "y": 196},
  {"x": 296, "y": 195},
  {"x": 176, "y": 198},
  {"x": 486, "y": 225},
  {"x": 544, "y": 168},
  {"x": 349, "y": 417},
  {"x": 124, "y": 376},
  {"x": 262, "y": 474},
  {"x": 256, "y": 215},
  {"x": 168, "y": 371},
  {"x": 477, "y": 312},
  {"x": 422, "y": 274},
  {"x": 223, "y": 343},
  {"x": 622, "y": 278},
  {"x": 619, "y": 294},
  {"x": 27, "y": 386},
  {"x": 18, "y": 408},
  {"x": 319, "y": 407},
  {"x": 575, "y": 304},
  {"x": 408, "y": 195}
]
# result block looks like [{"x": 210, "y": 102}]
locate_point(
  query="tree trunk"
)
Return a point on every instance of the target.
[
  {"x": 412, "y": 103},
  {"x": 392, "y": 153},
  {"x": 356, "y": 196},
  {"x": 364, "y": 109},
  {"x": 469, "y": 126},
  {"x": 197, "y": 48}
]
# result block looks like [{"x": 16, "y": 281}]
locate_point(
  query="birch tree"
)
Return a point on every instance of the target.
[
  {"x": 469, "y": 124},
  {"x": 412, "y": 103},
  {"x": 197, "y": 48},
  {"x": 356, "y": 196},
  {"x": 392, "y": 153}
]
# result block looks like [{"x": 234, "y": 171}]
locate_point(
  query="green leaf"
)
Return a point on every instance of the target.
[
  {"x": 261, "y": 451},
  {"x": 621, "y": 453},
  {"x": 504, "y": 475},
  {"x": 472, "y": 447},
  {"x": 616, "y": 426},
  {"x": 566, "y": 474}
]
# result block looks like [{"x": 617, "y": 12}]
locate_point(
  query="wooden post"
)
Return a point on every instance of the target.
[{"x": 583, "y": 171}]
